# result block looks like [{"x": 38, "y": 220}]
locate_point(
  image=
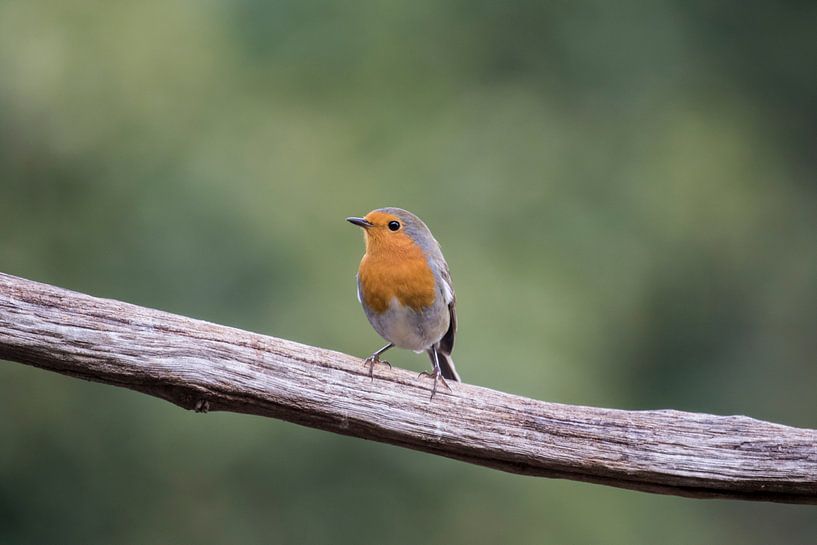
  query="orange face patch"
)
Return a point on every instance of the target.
[
  {"x": 379, "y": 218},
  {"x": 394, "y": 267}
]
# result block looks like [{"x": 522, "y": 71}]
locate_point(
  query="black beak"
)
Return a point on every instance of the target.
[{"x": 360, "y": 222}]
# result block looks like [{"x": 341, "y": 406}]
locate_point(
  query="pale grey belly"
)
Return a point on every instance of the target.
[{"x": 410, "y": 329}]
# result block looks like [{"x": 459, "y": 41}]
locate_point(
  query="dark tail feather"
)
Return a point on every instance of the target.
[{"x": 447, "y": 368}]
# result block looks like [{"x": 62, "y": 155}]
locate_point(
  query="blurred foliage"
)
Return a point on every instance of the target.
[{"x": 626, "y": 193}]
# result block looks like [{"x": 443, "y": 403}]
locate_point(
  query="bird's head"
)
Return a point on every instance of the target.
[{"x": 392, "y": 229}]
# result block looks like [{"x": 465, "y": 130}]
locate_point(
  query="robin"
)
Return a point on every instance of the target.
[{"x": 405, "y": 288}]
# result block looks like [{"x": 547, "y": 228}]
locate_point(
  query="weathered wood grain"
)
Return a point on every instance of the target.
[{"x": 191, "y": 362}]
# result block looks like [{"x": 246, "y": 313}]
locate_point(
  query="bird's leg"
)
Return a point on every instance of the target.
[
  {"x": 375, "y": 358},
  {"x": 436, "y": 373}
]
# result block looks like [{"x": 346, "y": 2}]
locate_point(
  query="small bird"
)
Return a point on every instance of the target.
[{"x": 405, "y": 288}]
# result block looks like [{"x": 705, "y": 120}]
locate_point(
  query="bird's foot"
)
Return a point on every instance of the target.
[
  {"x": 371, "y": 361},
  {"x": 437, "y": 375},
  {"x": 202, "y": 406}
]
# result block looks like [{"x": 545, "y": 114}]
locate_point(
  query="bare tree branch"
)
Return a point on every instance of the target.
[{"x": 195, "y": 364}]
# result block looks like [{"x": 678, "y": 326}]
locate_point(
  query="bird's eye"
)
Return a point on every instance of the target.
[{"x": 394, "y": 225}]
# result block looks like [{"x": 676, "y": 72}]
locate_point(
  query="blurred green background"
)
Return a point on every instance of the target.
[{"x": 626, "y": 193}]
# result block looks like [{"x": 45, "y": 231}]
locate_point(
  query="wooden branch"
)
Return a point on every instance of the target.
[{"x": 194, "y": 364}]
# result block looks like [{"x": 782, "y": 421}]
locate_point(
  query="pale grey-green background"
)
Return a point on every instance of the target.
[{"x": 625, "y": 192}]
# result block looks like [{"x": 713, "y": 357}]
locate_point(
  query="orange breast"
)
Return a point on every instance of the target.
[{"x": 404, "y": 275}]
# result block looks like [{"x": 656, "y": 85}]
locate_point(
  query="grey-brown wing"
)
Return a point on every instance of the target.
[{"x": 447, "y": 342}]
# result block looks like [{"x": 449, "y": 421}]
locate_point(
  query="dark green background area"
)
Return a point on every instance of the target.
[{"x": 626, "y": 193}]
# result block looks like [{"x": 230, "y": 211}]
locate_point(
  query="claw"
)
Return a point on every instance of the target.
[
  {"x": 438, "y": 376},
  {"x": 371, "y": 361}
]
